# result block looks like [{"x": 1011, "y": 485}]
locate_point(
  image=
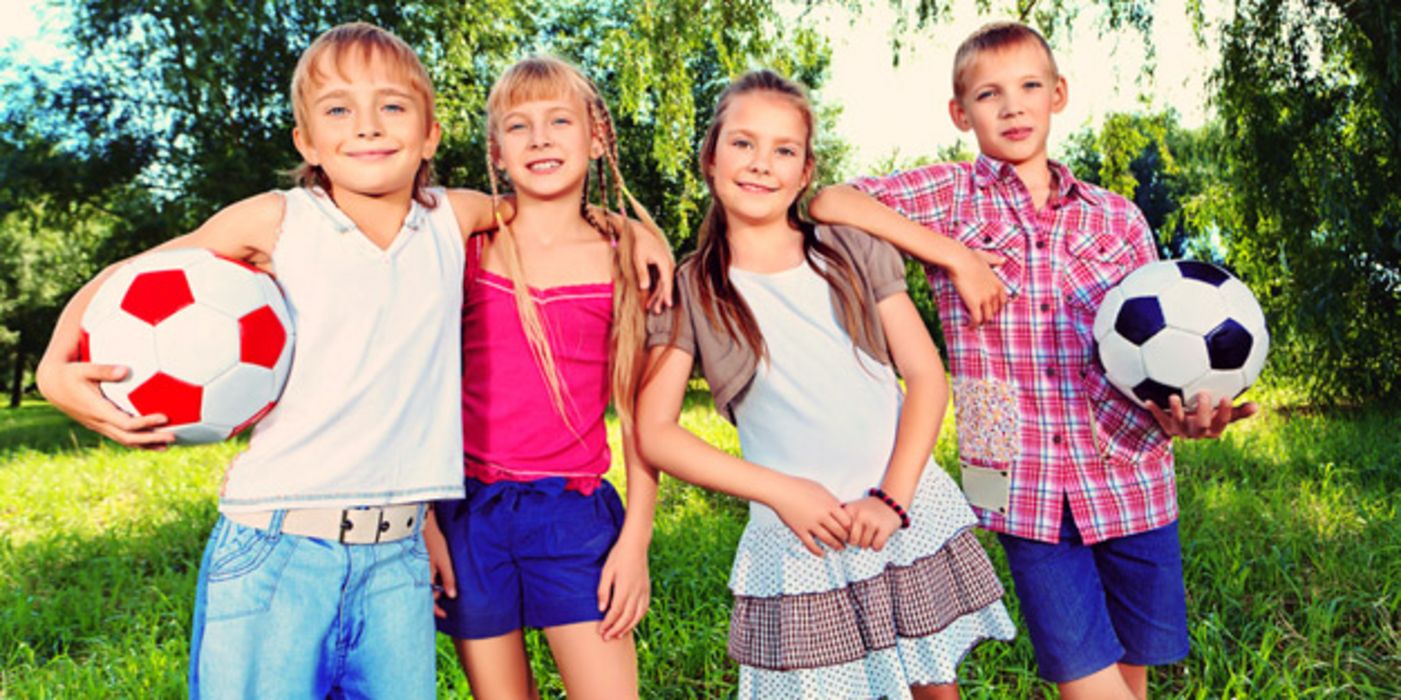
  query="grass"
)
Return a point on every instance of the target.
[{"x": 1290, "y": 536}]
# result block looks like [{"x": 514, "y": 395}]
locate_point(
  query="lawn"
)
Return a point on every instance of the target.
[{"x": 1290, "y": 535}]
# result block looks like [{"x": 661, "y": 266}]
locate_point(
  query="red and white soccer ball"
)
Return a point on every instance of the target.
[{"x": 208, "y": 341}]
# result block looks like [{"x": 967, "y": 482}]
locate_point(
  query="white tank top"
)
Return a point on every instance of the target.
[
  {"x": 818, "y": 408},
  {"x": 371, "y": 413}
]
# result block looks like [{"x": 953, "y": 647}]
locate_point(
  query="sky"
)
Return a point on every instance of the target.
[{"x": 888, "y": 110}]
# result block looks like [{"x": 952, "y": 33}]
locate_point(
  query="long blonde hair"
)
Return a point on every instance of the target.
[{"x": 546, "y": 77}]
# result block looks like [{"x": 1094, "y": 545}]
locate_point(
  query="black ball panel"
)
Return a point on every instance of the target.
[
  {"x": 1139, "y": 319},
  {"x": 1228, "y": 345},
  {"x": 1205, "y": 272}
]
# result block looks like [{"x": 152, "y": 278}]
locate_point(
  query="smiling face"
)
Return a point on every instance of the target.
[
  {"x": 761, "y": 161},
  {"x": 366, "y": 126},
  {"x": 1009, "y": 96},
  {"x": 545, "y": 146}
]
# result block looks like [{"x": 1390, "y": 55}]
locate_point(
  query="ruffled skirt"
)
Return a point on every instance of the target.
[{"x": 859, "y": 623}]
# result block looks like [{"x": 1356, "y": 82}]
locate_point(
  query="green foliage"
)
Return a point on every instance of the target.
[{"x": 1290, "y": 534}]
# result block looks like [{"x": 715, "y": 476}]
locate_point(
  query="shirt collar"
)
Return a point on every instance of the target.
[
  {"x": 987, "y": 170},
  {"x": 343, "y": 224}
]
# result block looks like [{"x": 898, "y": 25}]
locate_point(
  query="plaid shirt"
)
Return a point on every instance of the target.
[{"x": 1029, "y": 395}]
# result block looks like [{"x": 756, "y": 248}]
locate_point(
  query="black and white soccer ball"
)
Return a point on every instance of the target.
[{"x": 1179, "y": 327}]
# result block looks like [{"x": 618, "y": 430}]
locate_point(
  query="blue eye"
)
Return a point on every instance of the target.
[
  {"x": 337, "y": 111},
  {"x": 393, "y": 107},
  {"x": 787, "y": 151},
  {"x": 562, "y": 121},
  {"x": 515, "y": 127},
  {"x": 983, "y": 95}
]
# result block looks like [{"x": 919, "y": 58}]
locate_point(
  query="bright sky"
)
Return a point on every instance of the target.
[{"x": 886, "y": 108}]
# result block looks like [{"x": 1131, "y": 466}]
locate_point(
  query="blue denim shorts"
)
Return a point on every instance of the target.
[
  {"x": 1088, "y": 607},
  {"x": 526, "y": 554},
  {"x": 287, "y": 616}
]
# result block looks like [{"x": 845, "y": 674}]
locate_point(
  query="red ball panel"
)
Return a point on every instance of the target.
[
  {"x": 162, "y": 393},
  {"x": 84, "y": 346},
  {"x": 261, "y": 338},
  {"x": 154, "y": 296}
]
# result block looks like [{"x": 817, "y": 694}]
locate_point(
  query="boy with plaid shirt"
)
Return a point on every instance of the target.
[{"x": 1076, "y": 480}]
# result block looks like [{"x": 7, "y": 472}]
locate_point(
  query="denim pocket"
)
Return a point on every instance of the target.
[
  {"x": 414, "y": 558},
  {"x": 245, "y": 568}
]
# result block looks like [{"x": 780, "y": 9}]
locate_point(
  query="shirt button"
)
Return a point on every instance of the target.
[
  {"x": 1045, "y": 306},
  {"x": 1056, "y": 439},
  {"x": 1050, "y": 371},
  {"x": 1041, "y": 244}
]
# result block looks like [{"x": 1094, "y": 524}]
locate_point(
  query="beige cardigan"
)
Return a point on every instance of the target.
[{"x": 729, "y": 365}]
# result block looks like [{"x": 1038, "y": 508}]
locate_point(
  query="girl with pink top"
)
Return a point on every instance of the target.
[{"x": 553, "y": 325}]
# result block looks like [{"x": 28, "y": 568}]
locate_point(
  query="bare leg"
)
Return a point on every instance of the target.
[
  {"x": 497, "y": 667},
  {"x": 593, "y": 669},
  {"x": 1137, "y": 679},
  {"x": 1104, "y": 684},
  {"x": 943, "y": 691}
]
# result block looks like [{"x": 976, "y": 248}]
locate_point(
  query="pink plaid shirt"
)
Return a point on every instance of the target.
[{"x": 1029, "y": 395}]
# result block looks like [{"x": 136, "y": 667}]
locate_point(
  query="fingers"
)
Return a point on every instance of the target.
[
  {"x": 605, "y": 588},
  {"x": 881, "y": 537},
  {"x": 992, "y": 259},
  {"x": 626, "y": 611},
  {"x": 1245, "y": 410},
  {"x": 810, "y": 543},
  {"x": 662, "y": 296},
  {"x": 100, "y": 373}
]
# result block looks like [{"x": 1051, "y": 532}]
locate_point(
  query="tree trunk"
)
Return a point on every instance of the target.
[{"x": 17, "y": 387}]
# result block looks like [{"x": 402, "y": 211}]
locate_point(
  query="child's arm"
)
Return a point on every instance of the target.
[
  {"x": 970, "y": 271},
  {"x": 625, "y": 589},
  {"x": 440, "y": 570},
  {"x": 246, "y": 230},
  {"x": 805, "y": 506},
  {"x": 926, "y": 396}
]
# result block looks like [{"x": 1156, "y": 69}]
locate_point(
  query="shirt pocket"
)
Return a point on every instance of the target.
[
  {"x": 1096, "y": 262},
  {"x": 1125, "y": 435},
  {"x": 1001, "y": 238}
]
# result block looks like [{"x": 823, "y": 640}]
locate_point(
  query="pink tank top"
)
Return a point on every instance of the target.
[{"x": 511, "y": 430}]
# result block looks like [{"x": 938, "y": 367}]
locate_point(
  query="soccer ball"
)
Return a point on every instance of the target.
[
  {"x": 208, "y": 341},
  {"x": 1179, "y": 327}
]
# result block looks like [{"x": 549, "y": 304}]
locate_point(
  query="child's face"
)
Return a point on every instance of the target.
[
  {"x": 1012, "y": 93},
  {"x": 366, "y": 127},
  {"x": 545, "y": 146},
  {"x": 761, "y": 161}
]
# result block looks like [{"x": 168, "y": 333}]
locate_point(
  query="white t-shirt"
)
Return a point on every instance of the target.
[
  {"x": 818, "y": 407},
  {"x": 371, "y": 413}
]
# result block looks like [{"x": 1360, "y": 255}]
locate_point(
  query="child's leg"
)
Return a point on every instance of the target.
[
  {"x": 497, "y": 667},
  {"x": 592, "y": 667},
  {"x": 1104, "y": 684},
  {"x": 943, "y": 691},
  {"x": 1137, "y": 679}
]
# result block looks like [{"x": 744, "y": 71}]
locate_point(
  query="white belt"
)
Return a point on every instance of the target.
[{"x": 347, "y": 526}]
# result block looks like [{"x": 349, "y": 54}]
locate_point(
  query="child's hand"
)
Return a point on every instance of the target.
[
  {"x": 651, "y": 251},
  {"x": 624, "y": 590},
  {"x": 872, "y": 523},
  {"x": 72, "y": 387},
  {"x": 981, "y": 290},
  {"x": 1207, "y": 421},
  {"x": 439, "y": 563},
  {"x": 812, "y": 513}
]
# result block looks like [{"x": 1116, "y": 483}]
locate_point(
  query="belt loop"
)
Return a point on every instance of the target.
[
  {"x": 275, "y": 524},
  {"x": 418, "y": 519}
]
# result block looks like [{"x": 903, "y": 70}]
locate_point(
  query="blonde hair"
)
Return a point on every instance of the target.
[
  {"x": 994, "y": 36},
  {"x": 363, "y": 42},
  {"x": 546, "y": 77}
]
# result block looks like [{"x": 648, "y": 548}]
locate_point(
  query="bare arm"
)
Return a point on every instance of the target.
[
  {"x": 246, "y": 230},
  {"x": 971, "y": 272},
  {"x": 475, "y": 212},
  {"x": 624, "y": 589},
  {"x": 805, "y": 506}
]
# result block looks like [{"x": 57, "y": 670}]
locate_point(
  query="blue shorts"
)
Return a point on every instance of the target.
[
  {"x": 1088, "y": 607},
  {"x": 526, "y": 554}
]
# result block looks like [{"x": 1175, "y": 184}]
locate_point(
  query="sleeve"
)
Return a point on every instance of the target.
[
  {"x": 674, "y": 326},
  {"x": 877, "y": 261},
  {"x": 1140, "y": 236},
  {"x": 919, "y": 195}
]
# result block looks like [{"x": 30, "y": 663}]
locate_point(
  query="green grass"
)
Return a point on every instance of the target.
[{"x": 1290, "y": 536}]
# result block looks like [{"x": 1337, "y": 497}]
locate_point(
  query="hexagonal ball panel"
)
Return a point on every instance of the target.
[
  {"x": 226, "y": 286},
  {"x": 156, "y": 296},
  {"x": 107, "y": 300},
  {"x": 200, "y": 433},
  {"x": 197, "y": 344},
  {"x": 1122, "y": 360},
  {"x": 238, "y": 394},
  {"x": 1108, "y": 311},
  {"x": 1242, "y": 306},
  {"x": 1227, "y": 384},
  {"x": 162, "y": 393},
  {"x": 1139, "y": 319},
  {"x": 1192, "y": 306},
  {"x": 123, "y": 340},
  {"x": 171, "y": 259},
  {"x": 1256, "y": 361},
  {"x": 1149, "y": 280},
  {"x": 1175, "y": 358}
]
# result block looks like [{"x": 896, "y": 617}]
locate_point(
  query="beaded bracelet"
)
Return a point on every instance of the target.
[{"x": 886, "y": 499}]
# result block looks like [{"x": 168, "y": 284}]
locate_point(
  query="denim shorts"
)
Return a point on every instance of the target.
[
  {"x": 1088, "y": 607},
  {"x": 526, "y": 554},
  {"x": 286, "y": 616}
]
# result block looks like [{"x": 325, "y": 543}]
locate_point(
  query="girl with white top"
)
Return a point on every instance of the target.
[{"x": 858, "y": 574}]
